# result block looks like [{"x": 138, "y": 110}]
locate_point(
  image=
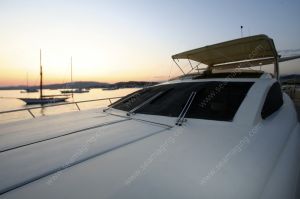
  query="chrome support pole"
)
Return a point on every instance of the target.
[
  {"x": 276, "y": 69},
  {"x": 179, "y": 66},
  {"x": 77, "y": 106},
  {"x": 31, "y": 113}
]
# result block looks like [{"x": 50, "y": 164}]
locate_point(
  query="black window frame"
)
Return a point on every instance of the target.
[{"x": 273, "y": 101}]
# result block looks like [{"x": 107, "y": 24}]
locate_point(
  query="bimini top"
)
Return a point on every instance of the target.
[{"x": 244, "y": 52}]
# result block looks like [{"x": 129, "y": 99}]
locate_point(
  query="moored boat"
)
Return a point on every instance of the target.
[
  {"x": 77, "y": 90},
  {"x": 43, "y": 99},
  {"x": 30, "y": 90}
]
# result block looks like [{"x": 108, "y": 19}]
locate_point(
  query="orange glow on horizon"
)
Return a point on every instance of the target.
[
  {"x": 99, "y": 54},
  {"x": 112, "y": 41}
]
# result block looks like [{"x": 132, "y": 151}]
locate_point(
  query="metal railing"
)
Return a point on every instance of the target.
[{"x": 55, "y": 105}]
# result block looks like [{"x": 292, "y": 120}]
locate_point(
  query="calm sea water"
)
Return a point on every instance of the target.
[{"x": 9, "y": 101}]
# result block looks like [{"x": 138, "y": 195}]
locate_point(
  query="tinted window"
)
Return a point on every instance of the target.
[
  {"x": 273, "y": 101},
  {"x": 213, "y": 101},
  {"x": 219, "y": 101}
]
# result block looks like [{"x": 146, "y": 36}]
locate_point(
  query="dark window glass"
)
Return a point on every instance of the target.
[
  {"x": 219, "y": 101},
  {"x": 273, "y": 101},
  {"x": 213, "y": 101}
]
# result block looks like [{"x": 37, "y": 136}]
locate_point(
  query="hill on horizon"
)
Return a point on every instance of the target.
[{"x": 85, "y": 84}]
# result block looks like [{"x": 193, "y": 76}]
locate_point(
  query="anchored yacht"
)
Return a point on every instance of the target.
[
  {"x": 225, "y": 132},
  {"x": 43, "y": 99},
  {"x": 28, "y": 89},
  {"x": 77, "y": 90}
]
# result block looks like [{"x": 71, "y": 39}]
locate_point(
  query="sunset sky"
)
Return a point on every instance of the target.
[{"x": 121, "y": 40}]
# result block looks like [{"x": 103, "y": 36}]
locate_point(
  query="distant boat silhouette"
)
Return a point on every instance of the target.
[
  {"x": 43, "y": 99},
  {"x": 29, "y": 90},
  {"x": 78, "y": 90},
  {"x": 110, "y": 88}
]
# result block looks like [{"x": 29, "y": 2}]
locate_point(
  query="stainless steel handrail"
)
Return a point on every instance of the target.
[{"x": 55, "y": 105}]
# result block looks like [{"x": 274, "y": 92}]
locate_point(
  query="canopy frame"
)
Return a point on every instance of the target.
[{"x": 255, "y": 50}]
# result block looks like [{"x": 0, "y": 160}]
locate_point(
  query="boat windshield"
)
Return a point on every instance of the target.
[{"x": 216, "y": 100}]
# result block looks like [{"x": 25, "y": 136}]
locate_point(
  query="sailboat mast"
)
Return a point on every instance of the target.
[
  {"x": 41, "y": 76},
  {"x": 27, "y": 79},
  {"x": 71, "y": 71},
  {"x": 72, "y": 75}
]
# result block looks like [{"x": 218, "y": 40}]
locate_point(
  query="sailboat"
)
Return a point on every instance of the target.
[
  {"x": 43, "y": 99},
  {"x": 29, "y": 90},
  {"x": 77, "y": 90}
]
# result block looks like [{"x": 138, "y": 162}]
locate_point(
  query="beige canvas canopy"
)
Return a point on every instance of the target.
[{"x": 244, "y": 52}]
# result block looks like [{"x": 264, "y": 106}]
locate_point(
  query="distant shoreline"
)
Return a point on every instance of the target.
[{"x": 86, "y": 84}]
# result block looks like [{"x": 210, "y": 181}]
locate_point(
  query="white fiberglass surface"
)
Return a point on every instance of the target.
[
  {"x": 191, "y": 161},
  {"x": 24, "y": 132},
  {"x": 22, "y": 165}
]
